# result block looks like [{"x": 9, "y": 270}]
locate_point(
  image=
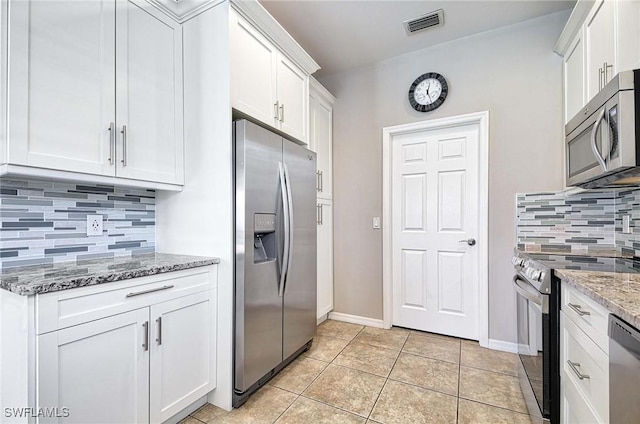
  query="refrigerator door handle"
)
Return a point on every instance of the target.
[
  {"x": 291, "y": 226},
  {"x": 285, "y": 210}
]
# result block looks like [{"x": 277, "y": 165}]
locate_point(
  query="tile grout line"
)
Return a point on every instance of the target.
[{"x": 387, "y": 378}]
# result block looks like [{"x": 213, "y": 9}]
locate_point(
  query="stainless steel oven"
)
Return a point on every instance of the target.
[
  {"x": 603, "y": 139},
  {"x": 537, "y": 337}
]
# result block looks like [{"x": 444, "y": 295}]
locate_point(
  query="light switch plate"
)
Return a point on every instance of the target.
[
  {"x": 94, "y": 225},
  {"x": 376, "y": 222}
]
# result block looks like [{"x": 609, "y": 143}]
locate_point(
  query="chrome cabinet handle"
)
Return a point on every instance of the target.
[
  {"x": 282, "y": 112},
  {"x": 145, "y": 342},
  {"x": 321, "y": 181},
  {"x": 149, "y": 291},
  {"x": 606, "y": 73},
  {"x": 276, "y": 115},
  {"x": 574, "y": 366},
  {"x": 578, "y": 309},
  {"x": 470, "y": 242},
  {"x": 159, "y": 339},
  {"x": 318, "y": 181},
  {"x": 124, "y": 145},
  {"x": 594, "y": 134},
  {"x": 600, "y": 78},
  {"x": 112, "y": 143}
]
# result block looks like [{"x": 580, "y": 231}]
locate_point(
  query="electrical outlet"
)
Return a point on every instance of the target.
[
  {"x": 626, "y": 224},
  {"x": 94, "y": 225},
  {"x": 376, "y": 222}
]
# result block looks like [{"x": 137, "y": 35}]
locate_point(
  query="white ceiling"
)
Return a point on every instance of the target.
[{"x": 346, "y": 34}]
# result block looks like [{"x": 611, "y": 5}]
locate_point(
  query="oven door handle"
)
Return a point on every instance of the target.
[{"x": 526, "y": 293}]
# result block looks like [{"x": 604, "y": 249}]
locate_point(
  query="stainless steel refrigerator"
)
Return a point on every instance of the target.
[{"x": 275, "y": 262}]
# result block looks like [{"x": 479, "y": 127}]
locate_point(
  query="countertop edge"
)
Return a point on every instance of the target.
[
  {"x": 614, "y": 308},
  {"x": 72, "y": 283}
]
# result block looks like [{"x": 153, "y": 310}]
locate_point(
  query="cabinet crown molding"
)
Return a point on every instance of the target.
[
  {"x": 320, "y": 90},
  {"x": 183, "y": 10},
  {"x": 258, "y": 16},
  {"x": 573, "y": 25}
]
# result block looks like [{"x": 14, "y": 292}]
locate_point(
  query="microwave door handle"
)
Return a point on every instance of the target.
[{"x": 594, "y": 134}]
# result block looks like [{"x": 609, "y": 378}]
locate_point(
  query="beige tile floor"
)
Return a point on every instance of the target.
[{"x": 357, "y": 374}]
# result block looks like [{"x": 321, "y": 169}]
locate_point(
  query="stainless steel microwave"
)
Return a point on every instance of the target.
[{"x": 603, "y": 139}]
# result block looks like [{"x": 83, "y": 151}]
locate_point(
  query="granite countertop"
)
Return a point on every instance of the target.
[
  {"x": 49, "y": 278},
  {"x": 619, "y": 292}
]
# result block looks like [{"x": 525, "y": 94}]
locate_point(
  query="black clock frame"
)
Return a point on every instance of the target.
[{"x": 439, "y": 101}]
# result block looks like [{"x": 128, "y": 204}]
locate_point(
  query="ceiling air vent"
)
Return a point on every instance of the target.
[{"x": 430, "y": 20}]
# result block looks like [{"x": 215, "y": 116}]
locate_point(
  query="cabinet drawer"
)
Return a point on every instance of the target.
[
  {"x": 591, "y": 317},
  {"x": 75, "y": 306},
  {"x": 574, "y": 408},
  {"x": 589, "y": 362}
]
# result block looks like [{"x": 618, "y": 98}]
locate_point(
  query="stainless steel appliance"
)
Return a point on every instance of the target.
[
  {"x": 275, "y": 262},
  {"x": 624, "y": 372},
  {"x": 603, "y": 139},
  {"x": 538, "y": 336}
]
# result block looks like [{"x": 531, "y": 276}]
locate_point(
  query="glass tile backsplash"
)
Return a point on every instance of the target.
[{"x": 44, "y": 221}]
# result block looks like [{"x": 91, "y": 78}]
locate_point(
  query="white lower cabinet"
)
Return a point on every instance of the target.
[
  {"x": 181, "y": 349},
  {"x": 325, "y": 257},
  {"x": 140, "y": 366},
  {"x": 584, "y": 364},
  {"x": 96, "y": 372}
]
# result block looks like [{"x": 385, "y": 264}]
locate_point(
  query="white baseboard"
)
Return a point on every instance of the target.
[
  {"x": 355, "y": 319},
  {"x": 503, "y": 346}
]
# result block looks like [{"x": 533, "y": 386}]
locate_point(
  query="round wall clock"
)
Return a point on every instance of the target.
[{"x": 428, "y": 92}]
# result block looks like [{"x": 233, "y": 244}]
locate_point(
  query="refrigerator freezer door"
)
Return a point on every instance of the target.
[
  {"x": 258, "y": 308},
  {"x": 299, "y": 323}
]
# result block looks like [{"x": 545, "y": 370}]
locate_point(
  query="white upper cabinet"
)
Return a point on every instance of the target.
[
  {"x": 600, "y": 42},
  {"x": 265, "y": 84},
  {"x": 321, "y": 136},
  {"x": 293, "y": 98},
  {"x": 72, "y": 66},
  {"x": 62, "y": 85},
  {"x": 253, "y": 78},
  {"x": 149, "y": 94},
  {"x": 574, "y": 79}
]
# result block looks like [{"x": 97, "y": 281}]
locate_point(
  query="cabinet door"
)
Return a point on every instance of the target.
[
  {"x": 320, "y": 134},
  {"x": 149, "y": 94},
  {"x": 253, "y": 72},
  {"x": 182, "y": 354},
  {"x": 293, "y": 95},
  {"x": 61, "y": 84},
  {"x": 574, "y": 77},
  {"x": 600, "y": 46},
  {"x": 98, "y": 370},
  {"x": 325, "y": 257},
  {"x": 628, "y": 35}
]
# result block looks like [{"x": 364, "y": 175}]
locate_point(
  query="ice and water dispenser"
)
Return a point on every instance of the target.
[{"x": 264, "y": 237}]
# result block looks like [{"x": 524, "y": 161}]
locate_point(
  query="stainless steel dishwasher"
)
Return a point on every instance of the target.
[{"x": 624, "y": 372}]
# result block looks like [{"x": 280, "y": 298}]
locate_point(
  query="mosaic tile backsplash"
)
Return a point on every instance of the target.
[
  {"x": 45, "y": 222},
  {"x": 587, "y": 222}
]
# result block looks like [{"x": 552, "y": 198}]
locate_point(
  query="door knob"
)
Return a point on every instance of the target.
[{"x": 470, "y": 242}]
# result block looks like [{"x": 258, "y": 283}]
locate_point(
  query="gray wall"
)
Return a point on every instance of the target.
[{"x": 513, "y": 73}]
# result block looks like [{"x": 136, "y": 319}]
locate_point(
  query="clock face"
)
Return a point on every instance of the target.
[{"x": 428, "y": 92}]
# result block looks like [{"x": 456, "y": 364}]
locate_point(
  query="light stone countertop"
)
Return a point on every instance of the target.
[
  {"x": 30, "y": 280},
  {"x": 618, "y": 292}
]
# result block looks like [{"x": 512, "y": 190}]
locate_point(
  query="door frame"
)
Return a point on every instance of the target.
[{"x": 481, "y": 120}]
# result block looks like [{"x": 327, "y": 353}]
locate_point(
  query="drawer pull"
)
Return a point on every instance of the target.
[
  {"x": 578, "y": 309},
  {"x": 574, "y": 366},
  {"x": 145, "y": 342},
  {"x": 149, "y": 291}
]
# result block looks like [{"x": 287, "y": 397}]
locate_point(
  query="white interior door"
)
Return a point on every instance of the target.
[{"x": 435, "y": 209}]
